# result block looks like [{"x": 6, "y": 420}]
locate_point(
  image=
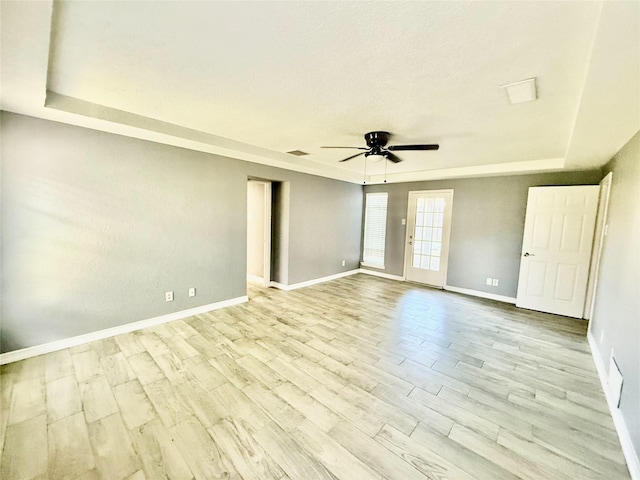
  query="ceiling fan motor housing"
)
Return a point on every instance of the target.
[{"x": 377, "y": 139}]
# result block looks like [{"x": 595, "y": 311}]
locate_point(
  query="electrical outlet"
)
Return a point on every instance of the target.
[
  {"x": 495, "y": 282},
  {"x": 192, "y": 292},
  {"x": 489, "y": 280},
  {"x": 168, "y": 296},
  {"x": 344, "y": 263}
]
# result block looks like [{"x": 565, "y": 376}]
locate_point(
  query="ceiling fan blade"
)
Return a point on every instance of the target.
[
  {"x": 352, "y": 156},
  {"x": 413, "y": 147},
  {"x": 359, "y": 148},
  {"x": 391, "y": 157}
]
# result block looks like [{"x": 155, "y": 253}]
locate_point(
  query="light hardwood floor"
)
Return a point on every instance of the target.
[{"x": 358, "y": 378}]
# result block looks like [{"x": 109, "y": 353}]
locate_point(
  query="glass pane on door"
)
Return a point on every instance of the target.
[{"x": 429, "y": 221}]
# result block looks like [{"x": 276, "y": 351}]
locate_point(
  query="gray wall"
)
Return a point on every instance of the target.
[
  {"x": 96, "y": 227},
  {"x": 617, "y": 303},
  {"x": 486, "y": 230},
  {"x": 325, "y": 221}
]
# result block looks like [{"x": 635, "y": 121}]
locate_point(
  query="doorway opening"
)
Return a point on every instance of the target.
[{"x": 259, "y": 212}]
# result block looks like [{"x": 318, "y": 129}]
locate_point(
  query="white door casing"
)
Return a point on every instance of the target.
[
  {"x": 598, "y": 243},
  {"x": 556, "y": 249},
  {"x": 428, "y": 233},
  {"x": 259, "y": 232}
]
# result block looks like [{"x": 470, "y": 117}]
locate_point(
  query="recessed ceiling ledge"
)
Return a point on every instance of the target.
[
  {"x": 497, "y": 169},
  {"x": 138, "y": 126}
]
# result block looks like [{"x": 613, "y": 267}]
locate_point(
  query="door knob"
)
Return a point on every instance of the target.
[{"x": 529, "y": 254}]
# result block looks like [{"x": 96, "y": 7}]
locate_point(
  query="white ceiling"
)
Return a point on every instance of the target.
[{"x": 253, "y": 80}]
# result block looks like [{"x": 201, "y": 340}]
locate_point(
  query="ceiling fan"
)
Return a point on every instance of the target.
[{"x": 376, "y": 143}]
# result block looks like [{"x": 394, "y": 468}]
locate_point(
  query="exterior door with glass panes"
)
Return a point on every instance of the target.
[{"x": 428, "y": 231}]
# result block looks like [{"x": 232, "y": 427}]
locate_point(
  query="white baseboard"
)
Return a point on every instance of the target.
[
  {"x": 478, "y": 293},
  {"x": 629, "y": 452},
  {"x": 315, "y": 281},
  {"x": 36, "y": 350},
  {"x": 371, "y": 265},
  {"x": 466, "y": 291},
  {"x": 376, "y": 273},
  {"x": 255, "y": 279}
]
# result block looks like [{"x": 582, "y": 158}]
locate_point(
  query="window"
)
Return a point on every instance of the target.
[{"x": 375, "y": 226}]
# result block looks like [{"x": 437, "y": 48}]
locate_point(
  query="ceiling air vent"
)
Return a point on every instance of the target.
[
  {"x": 522, "y": 91},
  {"x": 298, "y": 153}
]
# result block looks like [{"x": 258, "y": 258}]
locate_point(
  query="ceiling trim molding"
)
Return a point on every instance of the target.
[
  {"x": 498, "y": 169},
  {"x": 138, "y": 126}
]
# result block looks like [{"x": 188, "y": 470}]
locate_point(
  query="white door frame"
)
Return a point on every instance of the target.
[
  {"x": 446, "y": 233},
  {"x": 267, "y": 234},
  {"x": 266, "y": 269},
  {"x": 598, "y": 243}
]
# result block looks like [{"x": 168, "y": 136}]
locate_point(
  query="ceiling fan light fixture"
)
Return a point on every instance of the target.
[
  {"x": 522, "y": 91},
  {"x": 377, "y": 157}
]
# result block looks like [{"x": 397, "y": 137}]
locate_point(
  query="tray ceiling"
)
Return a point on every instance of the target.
[{"x": 254, "y": 80}]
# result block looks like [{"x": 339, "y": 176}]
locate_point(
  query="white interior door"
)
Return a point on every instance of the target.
[
  {"x": 556, "y": 249},
  {"x": 428, "y": 231}
]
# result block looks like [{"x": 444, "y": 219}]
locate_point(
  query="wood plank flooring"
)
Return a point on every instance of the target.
[{"x": 358, "y": 378}]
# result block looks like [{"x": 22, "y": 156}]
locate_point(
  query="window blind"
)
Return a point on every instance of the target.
[{"x": 375, "y": 226}]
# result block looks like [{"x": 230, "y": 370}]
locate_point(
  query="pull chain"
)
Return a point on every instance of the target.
[
  {"x": 385, "y": 169},
  {"x": 364, "y": 180}
]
